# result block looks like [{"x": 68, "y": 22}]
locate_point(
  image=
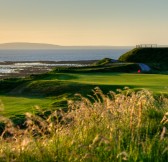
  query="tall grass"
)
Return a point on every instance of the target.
[{"x": 124, "y": 126}]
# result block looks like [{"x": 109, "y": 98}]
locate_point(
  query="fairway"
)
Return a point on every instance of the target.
[
  {"x": 155, "y": 82},
  {"x": 19, "y": 105},
  {"x": 71, "y": 83}
]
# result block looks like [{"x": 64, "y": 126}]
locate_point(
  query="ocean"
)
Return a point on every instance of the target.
[
  {"x": 24, "y": 62},
  {"x": 60, "y": 54}
]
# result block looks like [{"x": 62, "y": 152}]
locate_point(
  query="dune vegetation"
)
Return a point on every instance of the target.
[{"x": 122, "y": 126}]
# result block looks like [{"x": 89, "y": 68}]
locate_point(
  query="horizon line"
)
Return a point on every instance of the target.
[
  {"x": 3, "y": 43},
  {"x": 58, "y": 45}
]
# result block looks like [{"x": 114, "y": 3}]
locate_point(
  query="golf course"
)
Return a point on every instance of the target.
[
  {"x": 106, "y": 111},
  {"x": 57, "y": 87}
]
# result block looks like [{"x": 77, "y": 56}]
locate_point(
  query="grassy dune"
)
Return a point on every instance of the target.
[
  {"x": 157, "y": 58},
  {"x": 146, "y": 55}
]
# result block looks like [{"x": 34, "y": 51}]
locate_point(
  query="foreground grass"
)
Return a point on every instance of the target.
[{"x": 128, "y": 126}]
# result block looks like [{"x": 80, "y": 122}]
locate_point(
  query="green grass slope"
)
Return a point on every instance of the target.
[
  {"x": 146, "y": 55},
  {"x": 52, "y": 90}
]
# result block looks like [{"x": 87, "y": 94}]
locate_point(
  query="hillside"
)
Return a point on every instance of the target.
[
  {"x": 146, "y": 55},
  {"x": 25, "y": 45}
]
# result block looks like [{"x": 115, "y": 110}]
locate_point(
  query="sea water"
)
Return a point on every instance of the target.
[
  {"x": 60, "y": 54},
  {"x": 52, "y": 55}
]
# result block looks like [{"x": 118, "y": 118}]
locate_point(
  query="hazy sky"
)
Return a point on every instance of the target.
[{"x": 84, "y": 22}]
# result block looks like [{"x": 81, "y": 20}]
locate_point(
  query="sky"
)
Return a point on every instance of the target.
[{"x": 84, "y": 22}]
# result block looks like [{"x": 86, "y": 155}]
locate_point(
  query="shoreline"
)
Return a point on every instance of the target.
[
  {"x": 50, "y": 62},
  {"x": 11, "y": 69}
]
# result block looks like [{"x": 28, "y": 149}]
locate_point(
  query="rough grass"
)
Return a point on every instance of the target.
[
  {"x": 103, "y": 62},
  {"x": 127, "y": 126},
  {"x": 102, "y": 67}
]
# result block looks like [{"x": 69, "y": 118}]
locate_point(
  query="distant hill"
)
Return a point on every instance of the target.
[
  {"x": 24, "y": 45},
  {"x": 146, "y": 55}
]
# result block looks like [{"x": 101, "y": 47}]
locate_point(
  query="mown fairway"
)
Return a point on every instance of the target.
[
  {"x": 155, "y": 82},
  {"x": 14, "y": 105},
  {"x": 67, "y": 84}
]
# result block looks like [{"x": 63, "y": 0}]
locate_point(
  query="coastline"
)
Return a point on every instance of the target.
[
  {"x": 12, "y": 69},
  {"x": 50, "y": 62}
]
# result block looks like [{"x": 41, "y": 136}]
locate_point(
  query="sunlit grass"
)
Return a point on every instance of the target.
[
  {"x": 127, "y": 126},
  {"x": 14, "y": 105},
  {"x": 155, "y": 82},
  {"x": 58, "y": 84}
]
